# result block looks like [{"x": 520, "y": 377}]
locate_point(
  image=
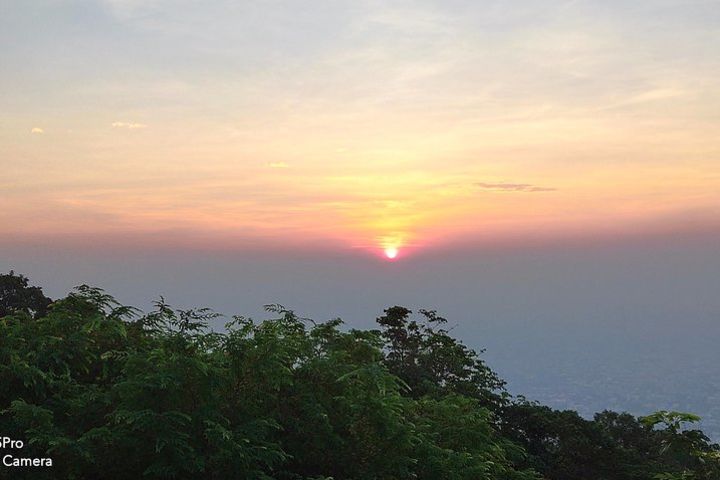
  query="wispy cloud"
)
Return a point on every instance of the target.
[
  {"x": 37, "y": 130},
  {"x": 128, "y": 125},
  {"x": 513, "y": 187},
  {"x": 653, "y": 95},
  {"x": 278, "y": 165}
]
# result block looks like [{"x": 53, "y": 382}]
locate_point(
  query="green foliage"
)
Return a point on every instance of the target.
[
  {"x": 688, "y": 451},
  {"x": 109, "y": 393},
  {"x": 16, "y": 295},
  {"x": 564, "y": 446},
  {"x": 432, "y": 362}
]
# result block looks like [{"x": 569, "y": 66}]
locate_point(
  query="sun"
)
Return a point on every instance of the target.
[{"x": 391, "y": 252}]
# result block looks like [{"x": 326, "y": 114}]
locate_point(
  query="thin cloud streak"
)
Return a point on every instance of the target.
[
  {"x": 278, "y": 165},
  {"x": 513, "y": 187},
  {"x": 128, "y": 125}
]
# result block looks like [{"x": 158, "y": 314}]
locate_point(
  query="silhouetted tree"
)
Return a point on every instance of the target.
[{"x": 16, "y": 295}]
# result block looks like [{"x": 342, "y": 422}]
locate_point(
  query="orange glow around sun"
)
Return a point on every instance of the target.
[{"x": 391, "y": 242}]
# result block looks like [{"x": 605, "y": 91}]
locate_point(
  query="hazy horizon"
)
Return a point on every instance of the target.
[{"x": 628, "y": 326}]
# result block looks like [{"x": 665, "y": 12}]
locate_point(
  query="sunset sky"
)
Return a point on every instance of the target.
[
  {"x": 546, "y": 174},
  {"x": 354, "y": 126}
]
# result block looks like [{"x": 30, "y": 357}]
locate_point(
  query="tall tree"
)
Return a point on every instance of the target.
[
  {"x": 424, "y": 355},
  {"x": 16, "y": 295}
]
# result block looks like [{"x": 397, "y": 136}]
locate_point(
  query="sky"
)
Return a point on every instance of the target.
[
  {"x": 344, "y": 126},
  {"x": 546, "y": 174}
]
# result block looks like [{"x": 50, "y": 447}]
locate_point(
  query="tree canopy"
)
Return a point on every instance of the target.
[
  {"x": 16, "y": 295},
  {"x": 110, "y": 393}
]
